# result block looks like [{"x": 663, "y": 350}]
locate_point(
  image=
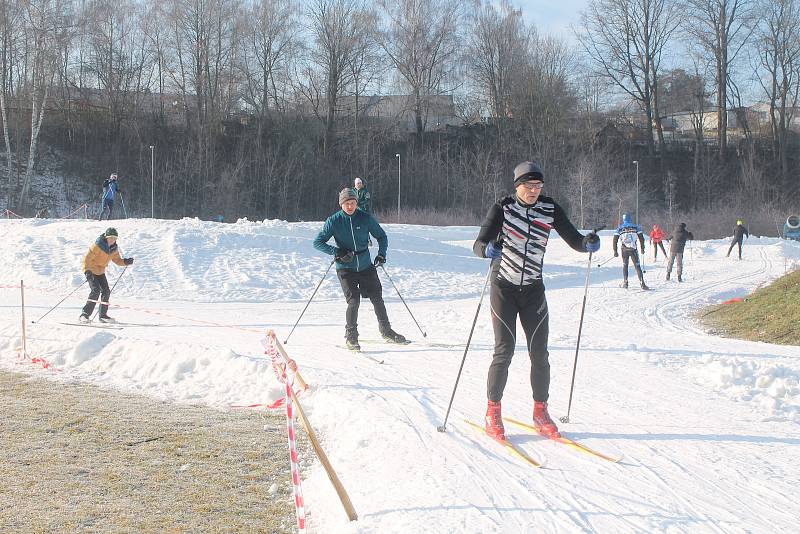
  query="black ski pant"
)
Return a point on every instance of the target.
[
  {"x": 107, "y": 204},
  {"x": 655, "y": 250},
  {"x": 366, "y": 283},
  {"x": 529, "y": 303},
  {"x": 629, "y": 254},
  {"x": 735, "y": 242},
  {"x": 677, "y": 258},
  {"x": 98, "y": 284}
]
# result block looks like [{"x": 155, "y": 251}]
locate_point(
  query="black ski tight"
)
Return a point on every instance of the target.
[
  {"x": 366, "y": 283},
  {"x": 655, "y": 250},
  {"x": 98, "y": 284},
  {"x": 529, "y": 303},
  {"x": 627, "y": 255},
  {"x": 735, "y": 242}
]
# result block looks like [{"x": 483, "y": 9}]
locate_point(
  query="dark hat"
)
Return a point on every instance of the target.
[
  {"x": 527, "y": 171},
  {"x": 110, "y": 232},
  {"x": 347, "y": 194}
]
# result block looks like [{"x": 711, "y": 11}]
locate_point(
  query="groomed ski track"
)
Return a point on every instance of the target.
[{"x": 709, "y": 442}]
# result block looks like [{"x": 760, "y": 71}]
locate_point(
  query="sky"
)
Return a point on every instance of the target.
[{"x": 554, "y": 18}]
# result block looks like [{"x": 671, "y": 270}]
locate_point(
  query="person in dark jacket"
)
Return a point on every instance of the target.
[
  {"x": 629, "y": 234},
  {"x": 364, "y": 197},
  {"x": 110, "y": 189},
  {"x": 739, "y": 232},
  {"x": 350, "y": 228},
  {"x": 103, "y": 251},
  {"x": 515, "y": 235},
  {"x": 677, "y": 243}
]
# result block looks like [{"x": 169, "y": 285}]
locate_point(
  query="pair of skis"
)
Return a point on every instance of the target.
[{"x": 522, "y": 455}]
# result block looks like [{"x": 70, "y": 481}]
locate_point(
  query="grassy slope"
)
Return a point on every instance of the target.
[{"x": 771, "y": 314}]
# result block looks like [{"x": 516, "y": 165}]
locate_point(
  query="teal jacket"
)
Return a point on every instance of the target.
[{"x": 351, "y": 232}]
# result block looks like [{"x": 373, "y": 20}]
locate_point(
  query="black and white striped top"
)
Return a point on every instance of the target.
[{"x": 525, "y": 230}]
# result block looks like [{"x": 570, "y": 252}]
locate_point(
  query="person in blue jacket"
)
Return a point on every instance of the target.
[
  {"x": 110, "y": 188},
  {"x": 350, "y": 229},
  {"x": 629, "y": 235}
]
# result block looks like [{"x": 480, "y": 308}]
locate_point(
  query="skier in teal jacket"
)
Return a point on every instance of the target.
[{"x": 350, "y": 228}]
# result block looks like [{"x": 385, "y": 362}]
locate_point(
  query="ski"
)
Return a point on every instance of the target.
[
  {"x": 566, "y": 441},
  {"x": 510, "y": 447},
  {"x": 406, "y": 342},
  {"x": 106, "y": 326}
]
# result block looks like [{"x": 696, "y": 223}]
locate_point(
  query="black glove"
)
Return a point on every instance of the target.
[
  {"x": 128, "y": 261},
  {"x": 616, "y": 254},
  {"x": 591, "y": 242},
  {"x": 345, "y": 256},
  {"x": 379, "y": 260}
]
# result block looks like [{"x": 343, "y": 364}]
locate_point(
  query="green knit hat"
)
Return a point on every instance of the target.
[{"x": 111, "y": 232}]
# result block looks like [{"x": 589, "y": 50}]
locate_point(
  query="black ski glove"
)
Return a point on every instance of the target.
[
  {"x": 344, "y": 256},
  {"x": 591, "y": 242},
  {"x": 128, "y": 261},
  {"x": 616, "y": 254},
  {"x": 379, "y": 260}
]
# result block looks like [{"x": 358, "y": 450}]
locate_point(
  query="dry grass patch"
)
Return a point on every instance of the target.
[
  {"x": 771, "y": 314},
  {"x": 78, "y": 458}
]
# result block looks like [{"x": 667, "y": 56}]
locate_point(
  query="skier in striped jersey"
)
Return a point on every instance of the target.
[
  {"x": 629, "y": 234},
  {"x": 515, "y": 234}
]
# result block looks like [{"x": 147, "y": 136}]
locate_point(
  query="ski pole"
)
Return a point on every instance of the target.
[
  {"x": 404, "y": 301},
  {"x": 606, "y": 261},
  {"x": 442, "y": 427},
  {"x": 110, "y": 290},
  {"x": 59, "y": 302},
  {"x": 122, "y": 201},
  {"x": 286, "y": 341},
  {"x": 565, "y": 419}
]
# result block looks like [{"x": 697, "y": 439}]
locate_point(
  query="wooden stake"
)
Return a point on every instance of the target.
[
  {"x": 24, "y": 340},
  {"x": 287, "y": 359},
  {"x": 312, "y": 437}
]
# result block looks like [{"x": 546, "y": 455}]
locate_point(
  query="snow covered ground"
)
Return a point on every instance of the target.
[{"x": 709, "y": 428}]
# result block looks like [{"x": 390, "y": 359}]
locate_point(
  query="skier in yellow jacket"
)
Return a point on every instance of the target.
[{"x": 103, "y": 251}]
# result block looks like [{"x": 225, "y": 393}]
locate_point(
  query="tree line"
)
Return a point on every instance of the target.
[{"x": 261, "y": 108}]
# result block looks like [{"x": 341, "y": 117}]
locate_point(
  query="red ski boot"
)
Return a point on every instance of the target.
[
  {"x": 541, "y": 420},
  {"x": 494, "y": 422}
]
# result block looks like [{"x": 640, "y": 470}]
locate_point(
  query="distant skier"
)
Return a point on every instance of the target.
[
  {"x": 657, "y": 236},
  {"x": 350, "y": 228},
  {"x": 110, "y": 189},
  {"x": 739, "y": 231},
  {"x": 364, "y": 197},
  {"x": 95, "y": 261},
  {"x": 677, "y": 243},
  {"x": 629, "y": 234},
  {"x": 515, "y": 233}
]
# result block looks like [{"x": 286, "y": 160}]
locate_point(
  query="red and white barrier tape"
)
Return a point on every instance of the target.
[{"x": 287, "y": 379}]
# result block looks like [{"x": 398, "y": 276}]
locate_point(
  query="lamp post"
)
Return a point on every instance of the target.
[
  {"x": 636, "y": 162},
  {"x": 152, "y": 184},
  {"x": 398, "y": 186}
]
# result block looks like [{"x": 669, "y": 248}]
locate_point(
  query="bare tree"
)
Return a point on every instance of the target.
[
  {"x": 46, "y": 28},
  {"x": 421, "y": 38},
  {"x": 778, "y": 44},
  {"x": 335, "y": 26},
  {"x": 497, "y": 52},
  {"x": 627, "y": 38},
  {"x": 721, "y": 27},
  {"x": 269, "y": 47},
  {"x": 10, "y": 19}
]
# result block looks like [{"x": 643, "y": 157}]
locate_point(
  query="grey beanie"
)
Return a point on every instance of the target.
[
  {"x": 347, "y": 194},
  {"x": 526, "y": 171}
]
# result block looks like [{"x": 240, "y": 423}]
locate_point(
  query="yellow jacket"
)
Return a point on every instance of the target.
[{"x": 99, "y": 255}]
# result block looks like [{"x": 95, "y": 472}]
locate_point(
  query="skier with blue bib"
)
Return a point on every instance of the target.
[
  {"x": 110, "y": 188},
  {"x": 628, "y": 234},
  {"x": 350, "y": 228}
]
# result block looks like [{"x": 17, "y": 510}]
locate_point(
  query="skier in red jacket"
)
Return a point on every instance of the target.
[{"x": 657, "y": 236}]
